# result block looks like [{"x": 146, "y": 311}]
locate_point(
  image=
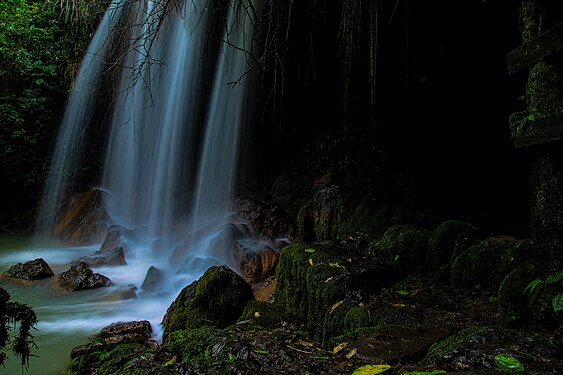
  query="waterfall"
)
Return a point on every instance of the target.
[
  {"x": 69, "y": 151},
  {"x": 179, "y": 107}
]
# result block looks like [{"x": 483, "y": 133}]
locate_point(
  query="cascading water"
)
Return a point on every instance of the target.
[{"x": 179, "y": 107}]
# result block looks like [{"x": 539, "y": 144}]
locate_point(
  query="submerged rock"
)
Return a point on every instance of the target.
[
  {"x": 113, "y": 257},
  {"x": 32, "y": 270},
  {"x": 153, "y": 279},
  {"x": 80, "y": 277},
  {"x": 117, "y": 236}
]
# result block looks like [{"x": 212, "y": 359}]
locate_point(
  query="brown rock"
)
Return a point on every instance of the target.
[
  {"x": 255, "y": 260},
  {"x": 31, "y": 270}
]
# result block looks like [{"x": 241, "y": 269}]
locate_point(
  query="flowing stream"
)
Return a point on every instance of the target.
[{"x": 177, "y": 115}]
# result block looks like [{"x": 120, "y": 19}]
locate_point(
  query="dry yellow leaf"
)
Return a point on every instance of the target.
[
  {"x": 311, "y": 261},
  {"x": 257, "y": 314},
  {"x": 305, "y": 343},
  {"x": 339, "y": 347},
  {"x": 361, "y": 304},
  {"x": 371, "y": 369},
  {"x": 335, "y": 306},
  {"x": 351, "y": 353},
  {"x": 399, "y": 305}
]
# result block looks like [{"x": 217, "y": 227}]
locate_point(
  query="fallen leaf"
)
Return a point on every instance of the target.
[
  {"x": 351, "y": 353},
  {"x": 371, "y": 369},
  {"x": 361, "y": 304},
  {"x": 403, "y": 292},
  {"x": 349, "y": 260},
  {"x": 335, "y": 265},
  {"x": 311, "y": 261},
  {"x": 257, "y": 314},
  {"x": 305, "y": 343},
  {"x": 508, "y": 364},
  {"x": 335, "y": 306},
  {"x": 260, "y": 351},
  {"x": 339, "y": 347},
  {"x": 399, "y": 305},
  {"x": 310, "y": 250}
]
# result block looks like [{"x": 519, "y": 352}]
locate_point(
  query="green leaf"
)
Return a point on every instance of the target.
[
  {"x": 554, "y": 278},
  {"x": 531, "y": 287},
  {"x": 310, "y": 250},
  {"x": 335, "y": 265},
  {"x": 557, "y": 303},
  {"x": 260, "y": 351},
  {"x": 531, "y": 117},
  {"x": 371, "y": 369},
  {"x": 508, "y": 363},
  {"x": 403, "y": 292}
]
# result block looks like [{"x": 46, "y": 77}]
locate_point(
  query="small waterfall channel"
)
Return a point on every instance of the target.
[{"x": 180, "y": 87}]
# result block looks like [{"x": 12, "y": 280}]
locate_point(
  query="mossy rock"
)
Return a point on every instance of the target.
[
  {"x": 316, "y": 284},
  {"x": 403, "y": 245},
  {"x": 217, "y": 298},
  {"x": 512, "y": 299},
  {"x": 443, "y": 240},
  {"x": 309, "y": 282},
  {"x": 474, "y": 349},
  {"x": 261, "y": 314},
  {"x": 357, "y": 317},
  {"x": 485, "y": 264}
]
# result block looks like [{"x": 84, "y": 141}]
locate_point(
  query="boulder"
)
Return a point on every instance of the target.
[
  {"x": 255, "y": 260},
  {"x": 117, "y": 236},
  {"x": 153, "y": 280},
  {"x": 32, "y": 270},
  {"x": 113, "y": 257},
  {"x": 83, "y": 221},
  {"x": 80, "y": 277},
  {"x": 443, "y": 240},
  {"x": 217, "y": 299}
]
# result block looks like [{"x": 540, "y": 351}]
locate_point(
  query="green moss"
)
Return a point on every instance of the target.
[
  {"x": 512, "y": 300},
  {"x": 485, "y": 264},
  {"x": 357, "y": 317},
  {"x": 124, "y": 360},
  {"x": 404, "y": 245},
  {"x": 544, "y": 92},
  {"x": 530, "y": 20},
  {"x": 443, "y": 240},
  {"x": 262, "y": 314},
  {"x": 217, "y": 298},
  {"x": 306, "y": 292},
  {"x": 189, "y": 345},
  {"x": 440, "y": 349}
]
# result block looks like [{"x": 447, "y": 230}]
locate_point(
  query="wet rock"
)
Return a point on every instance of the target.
[
  {"x": 403, "y": 245},
  {"x": 153, "y": 280},
  {"x": 32, "y": 270},
  {"x": 395, "y": 344},
  {"x": 217, "y": 298},
  {"x": 117, "y": 236},
  {"x": 255, "y": 260},
  {"x": 113, "y": 257},
  {"x": 83, "y": 222},
  {"x": 316, "y": 217},
  {"x": 488, "y": 262},
  {"x": 136, "y": 332},
  {"x": 80, "y": 277},
  {"x": 442, "y": 242},
  {"x": 268, "y": 221},
  {"x": 475, "y": 349}
]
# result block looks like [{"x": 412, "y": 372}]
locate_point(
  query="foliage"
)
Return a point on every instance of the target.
[
  {"x": 508, "y": 364},
  {"x": 31, "y": 90},
  {"x": 12, "y": 312}
]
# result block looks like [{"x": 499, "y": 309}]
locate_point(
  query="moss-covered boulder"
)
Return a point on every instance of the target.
[
  {"x": 443, "y": 240},
  {"x": 475, "y": 349},
  {"x": 403, "y": 245},
  {"x": 485, "y": 264},
  {"x": 261, "y": 314},
  {"x": 512, "y": 297},
  {"x": 315, "y": 283},
  {"x": 119, "y": 346},
  {"x": 217, "y": 298}
]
